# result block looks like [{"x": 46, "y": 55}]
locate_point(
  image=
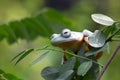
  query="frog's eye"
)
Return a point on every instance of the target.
[{"x": 66, "y": 33}]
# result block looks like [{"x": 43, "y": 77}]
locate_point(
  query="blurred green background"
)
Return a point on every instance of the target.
[{"x": 78, "y": 11}]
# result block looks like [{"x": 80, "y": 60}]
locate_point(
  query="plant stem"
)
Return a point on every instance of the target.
[
  {"x": 108, "y": 62},
  {"x": 71, "y": 54},
  {"x": 110, "y": 38}
]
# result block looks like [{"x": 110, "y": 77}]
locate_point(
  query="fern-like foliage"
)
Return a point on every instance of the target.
[{"x": 34, "y": 26}]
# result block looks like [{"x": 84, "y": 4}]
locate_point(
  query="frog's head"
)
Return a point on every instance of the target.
[{"x": 67, "y": 39}]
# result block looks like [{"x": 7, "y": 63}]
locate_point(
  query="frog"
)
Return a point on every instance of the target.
[{"x": 72, "y": 40}]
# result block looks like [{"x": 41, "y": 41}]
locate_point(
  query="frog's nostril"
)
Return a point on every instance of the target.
[{"x": 53, "y": 36}]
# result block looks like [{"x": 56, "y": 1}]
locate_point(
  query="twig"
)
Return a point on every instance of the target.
[
  {"x": 71, "y": 54},
  {"x": 108, "y": 62}
]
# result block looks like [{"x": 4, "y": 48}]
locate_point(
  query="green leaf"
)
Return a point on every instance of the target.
[
  {"x": 84, "y": 68},
  {"x": 3, "y": 32},
  {"x": 69, "y": 65},
  {"x": 110, "y": 30},
  {"x": 39, "y": 58},
  {"x": 66, "y": 75},
  {"x": 12, "y": 37},
  {"x": 50, "y": 73},
  {"x": 46, "y": 25},
  {"x": 9, "y": 76},
  {"x": 97, "y": 40},
  {"x": 64, "y": 72},
  {"x": 1, "y": 71},
  {"x": 102, "y": 19},
  {"x": 81, "y": 52},
  {"x": 18, "y": 55},
  {"x": 82, "y": 49},
  {"x": 94, "y": 51},
  {"x": 25, "y": 53}
]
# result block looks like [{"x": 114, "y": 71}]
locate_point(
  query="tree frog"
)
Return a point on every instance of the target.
[{"x": 71, "y": 40}]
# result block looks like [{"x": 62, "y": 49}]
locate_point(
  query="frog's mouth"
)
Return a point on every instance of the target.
[
  {"x": 65, "y": 42},
  {"x": 73, "y": 40},
  {"x": 58, "y": 39}
]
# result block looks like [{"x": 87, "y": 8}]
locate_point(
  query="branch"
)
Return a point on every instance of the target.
[
  {"x": 45, "y": 48},
  {"x": 108, "y": 62}
]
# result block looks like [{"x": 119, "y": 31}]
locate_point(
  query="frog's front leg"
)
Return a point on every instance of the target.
[{"x": 87, "y": 33}]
